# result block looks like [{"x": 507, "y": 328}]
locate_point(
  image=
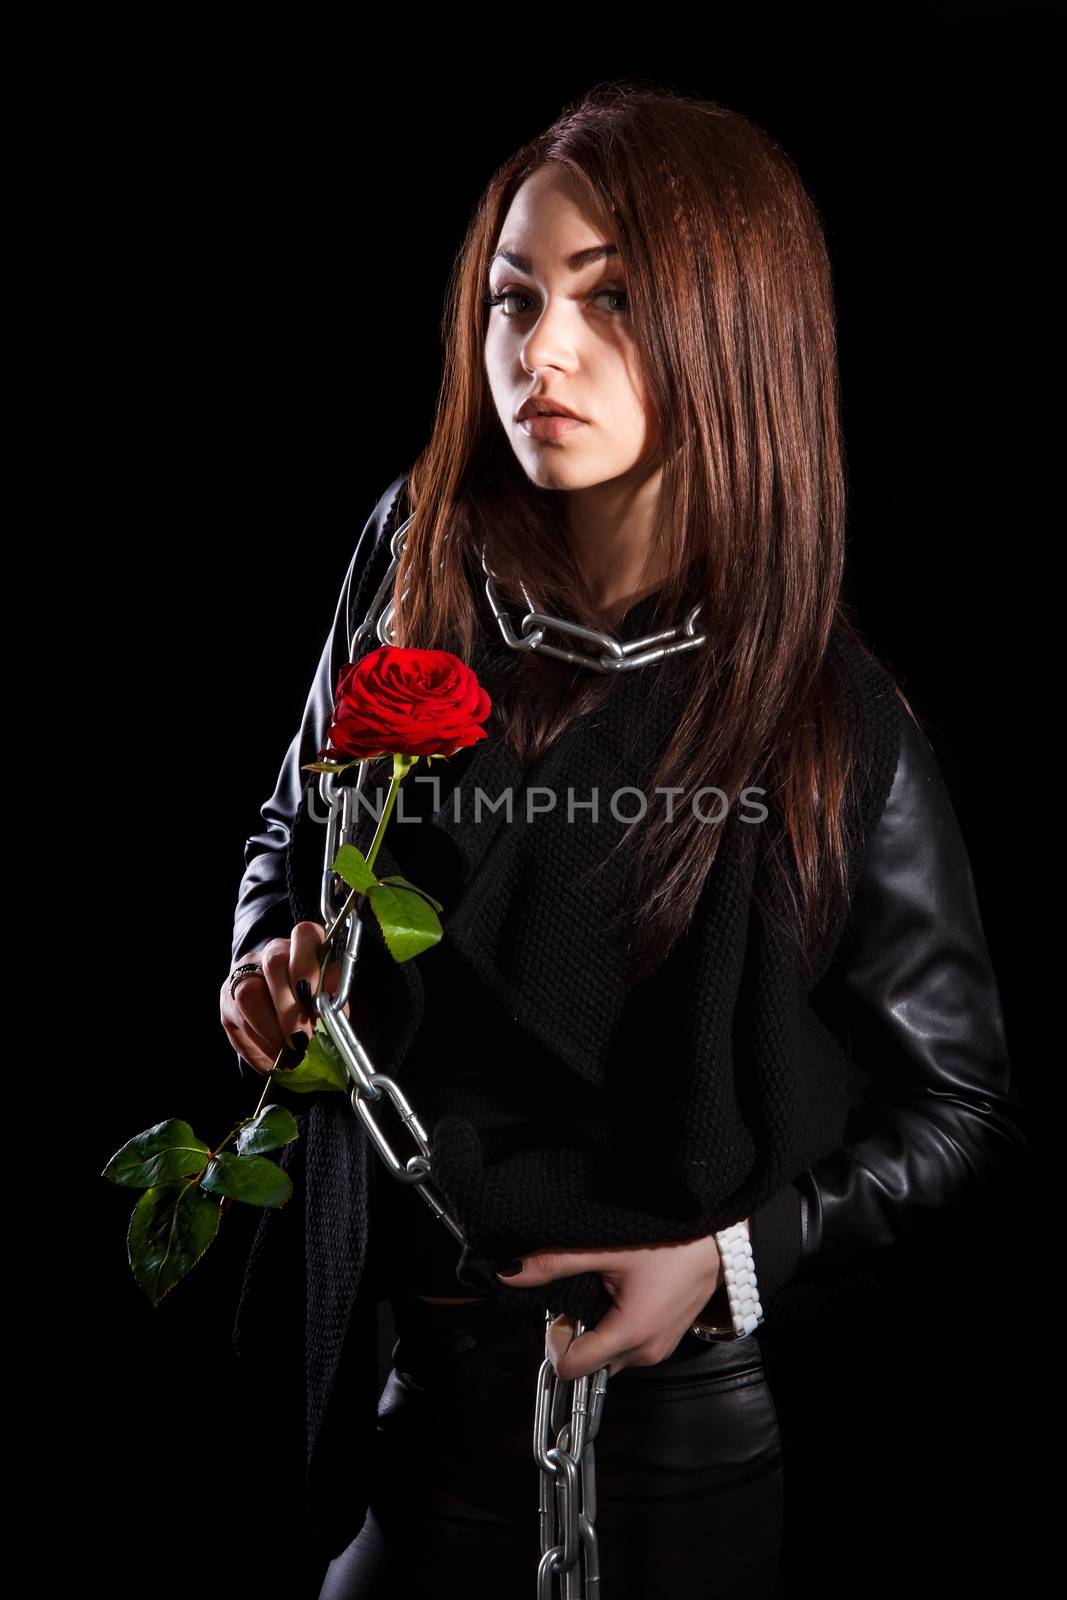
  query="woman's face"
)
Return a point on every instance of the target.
[{"x": 563, "y": 334}]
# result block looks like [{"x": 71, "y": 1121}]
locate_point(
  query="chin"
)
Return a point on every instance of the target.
[
  {"x": 545, "y": 476},
  {"x": 555, "y": 469}
]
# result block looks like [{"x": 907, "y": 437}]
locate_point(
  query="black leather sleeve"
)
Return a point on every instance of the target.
[
  {"x": 262, "y": 911},
  {"x": 913, "y": 998}
]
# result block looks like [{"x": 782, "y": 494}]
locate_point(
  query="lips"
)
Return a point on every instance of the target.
[
  {"x": 549, "y": 425},
  {"x": 543, "y": 405}
]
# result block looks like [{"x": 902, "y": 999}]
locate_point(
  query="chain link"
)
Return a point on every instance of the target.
[
  {"x": 569, "y": 1548},
  {"x": 567, "y": 1411},
  {"x": 614, "y": 656}
]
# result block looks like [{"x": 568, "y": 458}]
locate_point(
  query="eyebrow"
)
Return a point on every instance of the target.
[{"x": 580, "y": 258}]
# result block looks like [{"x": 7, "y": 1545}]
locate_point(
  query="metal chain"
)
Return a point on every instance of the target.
[
  {"x": 567, "y": 1411},
  {"x": 614, "y": 656}
]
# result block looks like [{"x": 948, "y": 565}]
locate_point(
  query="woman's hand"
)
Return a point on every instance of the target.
[
  {"x": 658, "y": 1290},
  {"x": 266, "y": 1012}
]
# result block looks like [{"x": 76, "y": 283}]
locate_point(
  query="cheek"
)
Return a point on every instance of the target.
[
  {"x": 495, "y": 365},
  {"x": 636, "y": 416},
  {"x": 495, "y": 346},
  {"x": 492, "y": 372},
  {"x": 634, "y": 402},
  {"x": 644, "y": 410}
]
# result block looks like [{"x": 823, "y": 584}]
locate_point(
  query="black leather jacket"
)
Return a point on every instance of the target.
[{"x": 911, "y": 995}]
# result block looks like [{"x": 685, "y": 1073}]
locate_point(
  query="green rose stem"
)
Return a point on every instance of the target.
[{"x": 401, "y": 766}]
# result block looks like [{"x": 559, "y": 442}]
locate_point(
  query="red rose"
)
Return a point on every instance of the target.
[{"x": 406, "y": 702}]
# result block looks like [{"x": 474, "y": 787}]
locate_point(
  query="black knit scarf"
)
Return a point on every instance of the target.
[{"x": 717, "y": 1082}]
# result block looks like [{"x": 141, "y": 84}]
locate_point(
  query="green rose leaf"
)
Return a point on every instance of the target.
[
  {"x": 407, "y": 920},
  {"x": 171, "y": 1227},
  {"x": 351, "y": 864},
  {"x": 255, "y": 1179},
  {"x": 321, "y": 1068},
  {"x": 273, "y": 1127},
  {"x": 162, "y": 1153},
  {"x": 327, "y": 766},
  {"x": 404, "y": 884}
]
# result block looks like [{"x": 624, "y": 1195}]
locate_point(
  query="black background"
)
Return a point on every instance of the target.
[{"x": 253, "y": 235}]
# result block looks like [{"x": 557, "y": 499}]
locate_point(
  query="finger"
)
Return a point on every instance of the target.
[
  {"x": 330, "y": 979},
  {"x": 284, "y": 964},
  {"x": 609, "y": 1344},
  {"x": 307, "y": 966},
  {"x": 559, "y": 1335},
  {"x": 305, "y": 943},
  {"x": 257, "y": 1006},
  {"x": 247, "y": 1017},
  {"x": 545, "y": 1266},
  {"x": 287, "y": 1016}
]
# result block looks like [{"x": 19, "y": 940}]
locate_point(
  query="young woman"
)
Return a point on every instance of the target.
[{"x": 759, "y": 1014}]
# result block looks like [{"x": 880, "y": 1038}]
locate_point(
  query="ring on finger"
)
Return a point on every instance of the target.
[{"x": 249, "y": 969}]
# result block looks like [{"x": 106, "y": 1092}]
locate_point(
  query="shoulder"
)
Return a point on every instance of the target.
[
  {"x": 872, "y": 717},
  {"x": 372, "y": 556},
  {"x": 387, "y": 500},
  {"x": 918, "y": 834},
  {"x": 384, "y": 517},
  {"x": 912, "y": 889},
  {"x": 866, "y": 683},
  {"x": 918, "y": 783},
  {"x": 908, "y": 812}
]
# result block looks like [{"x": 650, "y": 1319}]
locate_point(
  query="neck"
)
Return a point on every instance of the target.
[{"x": 609, "y": 528}]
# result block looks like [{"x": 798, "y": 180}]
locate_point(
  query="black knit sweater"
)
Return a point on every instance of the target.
[{"x": 611, "y": 1113}]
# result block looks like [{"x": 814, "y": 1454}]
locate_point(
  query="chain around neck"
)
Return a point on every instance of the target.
[
  {"x": 602, "y": 651},
  {"x": 608, "y": 653}
]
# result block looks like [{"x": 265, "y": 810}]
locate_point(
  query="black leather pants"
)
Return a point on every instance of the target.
[{"x": 688, "y": 1468}]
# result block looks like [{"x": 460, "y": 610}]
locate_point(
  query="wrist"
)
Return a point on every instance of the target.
[
  {"x": 715, "y": 1313},
  {"x": 734, "y": 1310}
]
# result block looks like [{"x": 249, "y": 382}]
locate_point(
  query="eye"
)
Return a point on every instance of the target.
[
  {"x": 490, "y": 299},
  {"x": 503, "y": 297},
  {"x": 619, "y": 294}
]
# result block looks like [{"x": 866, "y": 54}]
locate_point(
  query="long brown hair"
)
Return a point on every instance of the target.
[{"x": 732, "y": 312}]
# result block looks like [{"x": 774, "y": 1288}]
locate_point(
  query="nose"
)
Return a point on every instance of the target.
[{"x": 550, "y": 342}]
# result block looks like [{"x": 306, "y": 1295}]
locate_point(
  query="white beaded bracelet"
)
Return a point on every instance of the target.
[{"x": 739, "y": 1275}]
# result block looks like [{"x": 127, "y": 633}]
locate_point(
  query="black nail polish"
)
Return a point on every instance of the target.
[
  {"x": 298, "y": 1043},
  {"x": 303, "y": 991},
  {"x": 509, "y": 1269}
]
